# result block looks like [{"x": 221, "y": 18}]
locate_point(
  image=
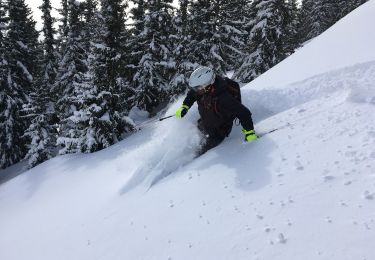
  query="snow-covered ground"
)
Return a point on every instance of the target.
[{"x": 306, "y": 191}]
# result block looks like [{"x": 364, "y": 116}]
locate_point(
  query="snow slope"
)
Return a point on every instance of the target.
[{"x": 306, "y": 191}]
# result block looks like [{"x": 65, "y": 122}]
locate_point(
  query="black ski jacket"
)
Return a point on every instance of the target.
[{"x": 218, "y": 108}]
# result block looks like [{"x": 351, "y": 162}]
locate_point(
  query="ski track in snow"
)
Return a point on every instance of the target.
[
  {"x": 170, "y": 147},
  {"x": 357, "y": 81}
]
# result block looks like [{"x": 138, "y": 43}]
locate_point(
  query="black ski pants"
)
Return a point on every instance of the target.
[{"x": 212, "y": 137}]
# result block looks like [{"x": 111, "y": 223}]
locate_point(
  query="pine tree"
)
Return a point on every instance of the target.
[
  {"x": 23, "y": 39},
  {"x": 71, "y": 83},
  {"x": 138, "y": 13},
  {"x": 3, "y": 21},
  {"x": 233, "y": 18},
  {"x": 212, "y": 34},
  {"x": 110, "y": 54},
  {"x": 108, "y": 120},
  {"x": 90, "y": 15},
  {"x": 317, "y": 16},
  {"x": 89, "y": 78},
  {"x": 63, "y": 27},
  {"x": 346, "y": 6},
  {"x": 292, "y": 39},
  {"x": 181, "y": 38},
  {"x": 9, "y": 106},
  {"x": 266, "y": 39},
  {"x": 11, "y": 143},
  {"x": 155, "y": 66},
  {"x": 204, "y": 48},
  {"x": 218, "y": 30},
  {"x": 18, "y": 71},
  {"x": 356, "y": 3},
  {"x": 41, "y": 131},
  {"x": 304, "y": 20},
  {"x": 134, "y": 43},
  {"x": 3, "y": 26}
]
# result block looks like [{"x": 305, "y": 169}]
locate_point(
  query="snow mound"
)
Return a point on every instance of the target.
[{"x": 357, "y": 80}]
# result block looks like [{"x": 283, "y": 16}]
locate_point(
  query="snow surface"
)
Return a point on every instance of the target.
[{"x": 306, "y": 191}]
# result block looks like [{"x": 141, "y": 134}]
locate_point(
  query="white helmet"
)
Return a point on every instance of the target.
[{"x": 201, "y": 77}]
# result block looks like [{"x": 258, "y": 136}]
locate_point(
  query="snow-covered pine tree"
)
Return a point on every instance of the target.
[
  {"x": 10, "y": 103},
  {"x": 343, "y": 7},
  {"x": 357, "y": 3},
  {"x": 114, "y": 57},
  {"x": 63, "y": 26},
  {"x": 218, "y": 33},
  {"x": 90, "y": 82},
  {"x": 304, "y": 20},
  {"x": 11, "y": 99},
  {"x": 346, "y": 6},
  {"x": 155, "y": 66},
  {"x": 3, "y": 26},
  {"x": 71, "y": 83},
  {"x": 232, "y": 19},
  {"x": 90, "y": 17},
  {"x": 41, "y": 131},
  {"x": 292, "y": 40},
  {"x": 181, "y": 37},
  {"x": 3, "y": 20},
  {"x": 325, "y": 11},
  {"x": 318, "y": 16},
  {"x": 136, "y": 30},
  {"x": 205, "y": 46},
  {"x": 266, "y": 39},
  {"x": 19, "y": 70},
  {"x": 106, "y": 113},
  {"x": 137, "y": 14},
  {"x": 23, "y": 41},
  {"x": 182, "y": 14}
]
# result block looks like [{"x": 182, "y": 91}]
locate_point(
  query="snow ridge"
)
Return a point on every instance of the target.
[{"x": 357, "y": 79}]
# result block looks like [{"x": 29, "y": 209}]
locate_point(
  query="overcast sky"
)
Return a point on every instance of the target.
[{"x": 34, "y": 4}]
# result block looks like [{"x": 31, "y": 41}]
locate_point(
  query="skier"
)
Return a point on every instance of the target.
[{"x": 217, "y": 106}]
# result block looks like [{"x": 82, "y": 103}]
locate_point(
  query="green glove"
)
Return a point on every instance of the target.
[
  {"x": 249, "y": 135},
  {"x": 181, "y": 112}
]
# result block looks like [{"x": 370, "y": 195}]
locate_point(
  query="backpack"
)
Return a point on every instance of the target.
[{"x": 233, "y": 88}]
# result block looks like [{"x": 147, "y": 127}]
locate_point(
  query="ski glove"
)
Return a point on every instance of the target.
[
  {"x": 181, "y": 112},
  {"x": 249, "y": 135}
]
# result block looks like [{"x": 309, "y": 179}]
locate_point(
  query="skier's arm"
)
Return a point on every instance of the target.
[
  {"x": 190, "y": 98},
  {"x": 231, "y": 106},
  {"x": 188, "y": 102}
]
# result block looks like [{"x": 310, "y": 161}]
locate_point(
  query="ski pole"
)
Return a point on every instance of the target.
[
  {"x": 152, "y": 121},
  {"x": 163, "y": 118}
]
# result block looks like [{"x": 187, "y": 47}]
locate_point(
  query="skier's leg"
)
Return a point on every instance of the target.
[{"x": 209, "y": 143}]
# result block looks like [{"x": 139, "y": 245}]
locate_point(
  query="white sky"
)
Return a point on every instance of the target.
[{"x": 34, "y": 4}]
